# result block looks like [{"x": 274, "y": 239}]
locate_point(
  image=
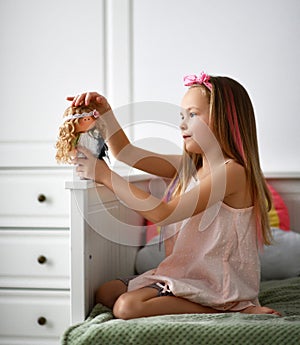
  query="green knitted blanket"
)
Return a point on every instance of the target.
[{"x": 100, "y": 328}]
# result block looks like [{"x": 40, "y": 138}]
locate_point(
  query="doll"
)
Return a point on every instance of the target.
[{"x": 79, "y": 128}]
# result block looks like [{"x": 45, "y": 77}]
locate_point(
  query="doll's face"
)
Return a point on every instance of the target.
[{"x": 85, "y": 124}]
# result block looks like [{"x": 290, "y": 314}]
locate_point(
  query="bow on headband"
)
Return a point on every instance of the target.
[{"x": 202, "y": 79}]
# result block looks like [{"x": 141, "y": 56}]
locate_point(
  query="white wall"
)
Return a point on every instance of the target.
[
  {"x": 139, "y": 50},
  {"x": 49, "y": 49},
  {"x": 255, "y": 42}
]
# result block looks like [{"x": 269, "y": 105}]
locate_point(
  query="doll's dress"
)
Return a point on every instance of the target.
[
  {"x": 95, "y": 143},
  {"x": 214, "y": 262}
]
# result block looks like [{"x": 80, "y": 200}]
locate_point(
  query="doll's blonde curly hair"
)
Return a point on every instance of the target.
[{"x": 68, "y": 136}]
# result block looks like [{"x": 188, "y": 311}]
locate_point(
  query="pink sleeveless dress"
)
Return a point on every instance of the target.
[{"x": 214, "y": 262}]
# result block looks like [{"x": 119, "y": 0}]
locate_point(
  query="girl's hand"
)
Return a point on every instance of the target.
[
  {"x": 91, "y": 167},
  {"x": 98, "y": 101}
]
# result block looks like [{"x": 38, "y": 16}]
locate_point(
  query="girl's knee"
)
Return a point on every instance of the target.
[
  {"x": 131, "y": 305},
  {"x": 108, "y": 293},
  {"x": 126, "y": 307},
  {"x": 101, "y": 295}
]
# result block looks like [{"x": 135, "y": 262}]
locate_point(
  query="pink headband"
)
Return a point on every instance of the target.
[{"x": 202, "y": 79}]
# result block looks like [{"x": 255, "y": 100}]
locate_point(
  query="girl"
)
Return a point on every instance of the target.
[{"x": 217, "y": 200}]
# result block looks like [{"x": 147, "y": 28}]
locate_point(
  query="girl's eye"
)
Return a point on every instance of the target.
[{"x": 192, "y": 114}]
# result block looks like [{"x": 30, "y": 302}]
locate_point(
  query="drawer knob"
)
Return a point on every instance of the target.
[
  {"x": 41, "y": 198},
  {"x": 42, "y": 321},
  {"x": 42, "y": 259}
]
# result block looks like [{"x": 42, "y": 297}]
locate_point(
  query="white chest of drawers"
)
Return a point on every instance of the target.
[{"x": 34, "y": 256}]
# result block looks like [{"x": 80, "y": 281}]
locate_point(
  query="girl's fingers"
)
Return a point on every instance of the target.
[
  {"x": 88, "y": 98},
  {"x": 85, "y": 151},
  {"x": 93, "y": 96},
  {"x": 79, "y": 162},
  {"x": 85, "y": 98},
  {"x": 99, "y": 99},
  {"x": 76, "y": 100},
  {"x": 79, "y": 100}
]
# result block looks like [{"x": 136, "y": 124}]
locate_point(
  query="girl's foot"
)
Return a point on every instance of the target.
[{"x": 260, "y": 310}]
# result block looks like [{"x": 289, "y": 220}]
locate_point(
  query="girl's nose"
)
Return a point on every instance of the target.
[{"x": 183, "y": 125}]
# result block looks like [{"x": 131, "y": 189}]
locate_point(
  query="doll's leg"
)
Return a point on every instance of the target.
[
  {"x": 109, "y": 292},
  {"x": 146, "y": 302}
]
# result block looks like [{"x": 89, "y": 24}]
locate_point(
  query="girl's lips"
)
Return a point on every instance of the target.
[{"x": 186, "y": 136}]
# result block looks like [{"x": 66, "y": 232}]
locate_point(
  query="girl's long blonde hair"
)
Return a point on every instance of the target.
[{"x": 233, "y": 124}]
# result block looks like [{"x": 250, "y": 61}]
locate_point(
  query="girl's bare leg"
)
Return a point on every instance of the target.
[
  {"x": 109, "y": 292},
  {"x": 145, "y": 302}
]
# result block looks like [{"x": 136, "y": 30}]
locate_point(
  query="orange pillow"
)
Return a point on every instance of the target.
[
  {"x": 279, "y": 214},
  {"x": 152, "y": 230}
]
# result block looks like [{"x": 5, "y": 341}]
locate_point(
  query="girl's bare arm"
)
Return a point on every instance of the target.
[
  {"x": 224, "y": 183},
  {"x": 163, "y": 165}
]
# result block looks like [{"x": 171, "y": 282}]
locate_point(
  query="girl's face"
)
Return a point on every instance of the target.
[{"x": 195, "y": 119}]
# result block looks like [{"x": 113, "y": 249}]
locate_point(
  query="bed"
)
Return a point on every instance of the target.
[{"x": 100, "y": 251}]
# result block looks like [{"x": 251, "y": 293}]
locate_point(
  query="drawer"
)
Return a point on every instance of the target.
[
  {"x": 34, "y": 259},
  {"x": 33, "y": 317},
  {"x": 34, "y": 198}
]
